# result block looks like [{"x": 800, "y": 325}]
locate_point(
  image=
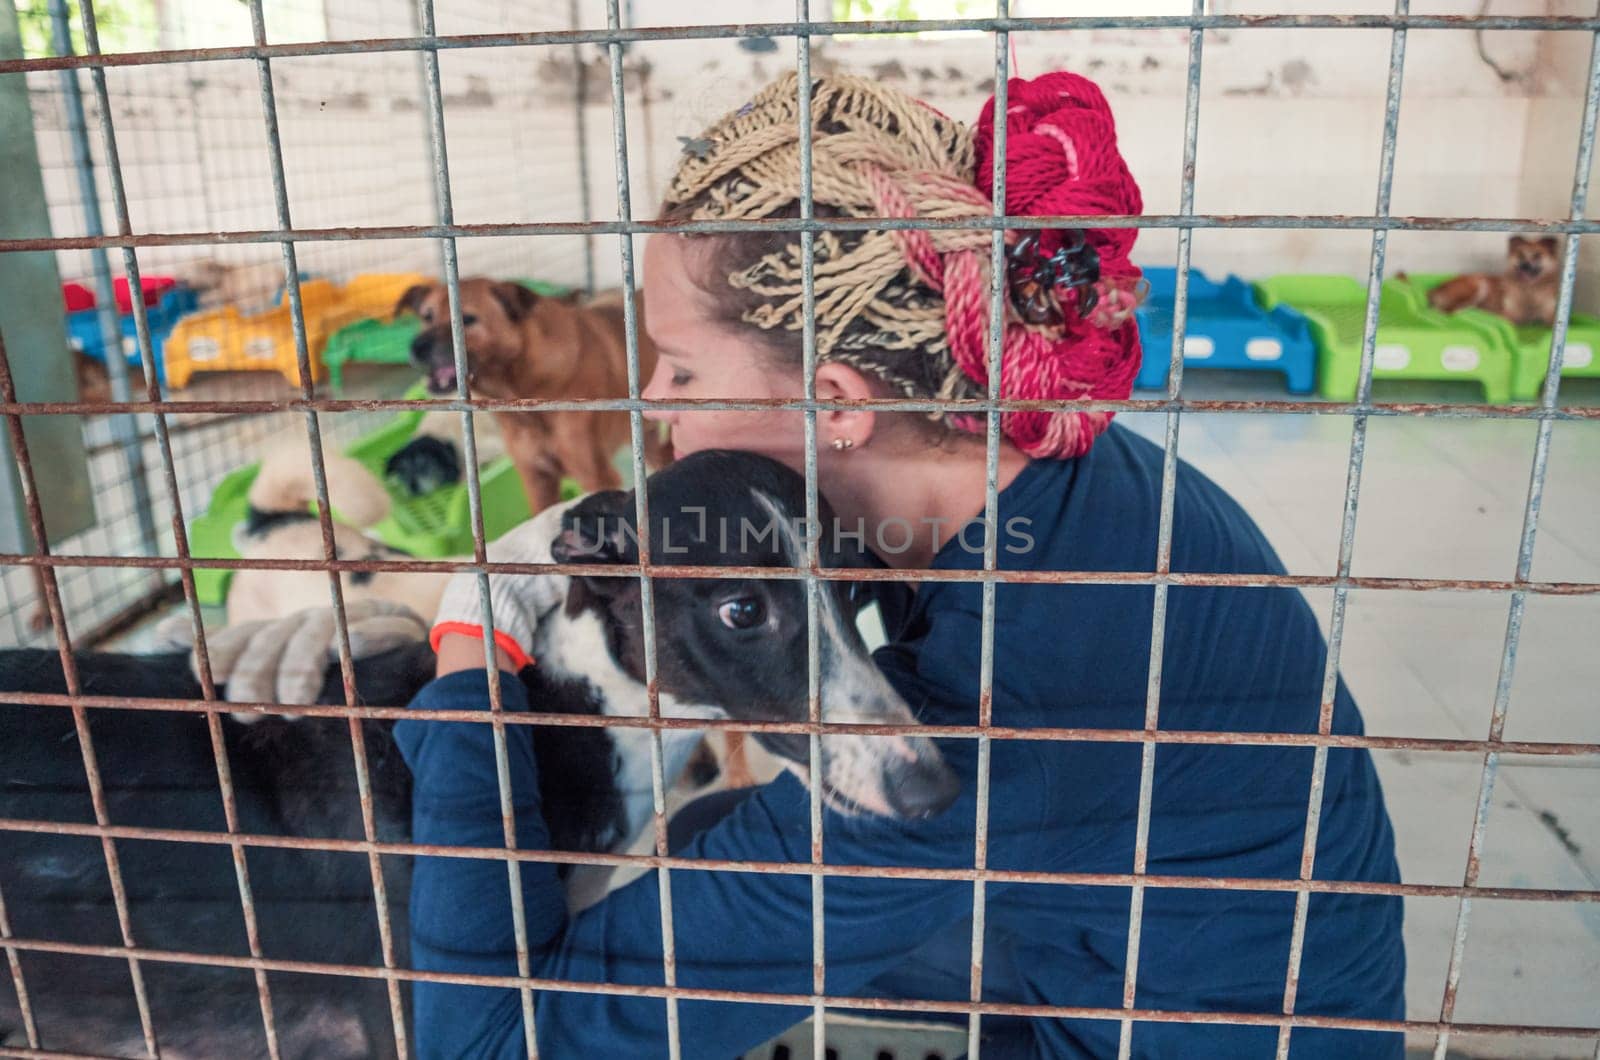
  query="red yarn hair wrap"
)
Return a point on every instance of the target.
[{"x": 1061, "y": 159}]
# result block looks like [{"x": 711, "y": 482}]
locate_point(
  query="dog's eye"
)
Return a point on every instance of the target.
[
  {"x": 680, "y": 377},
  {"x": 467, "y": 320},
  {"x": 747, "y": 612},
  {"x": 427, "y": 316}
]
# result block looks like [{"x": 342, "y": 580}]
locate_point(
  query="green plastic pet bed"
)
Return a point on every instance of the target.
[
  {"x": 1413, "y": 340},
  {"x": 432, "y": 525},
  {"x": 1529, "y": 343}
]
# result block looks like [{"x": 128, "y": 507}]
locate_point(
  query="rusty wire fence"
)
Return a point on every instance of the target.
[
  {"x": 294, "y": 241},
  {"x": 188, "y": 155}
]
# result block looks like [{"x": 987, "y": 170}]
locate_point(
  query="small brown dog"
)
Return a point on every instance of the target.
[
  {"x": 524, "y": 345},
  {"x": 1526, "y": 294}
]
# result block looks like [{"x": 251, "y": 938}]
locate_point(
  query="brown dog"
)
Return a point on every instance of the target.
[
  {"x": 524, "y": 345},
  {"x": 1526, "y": 294}
]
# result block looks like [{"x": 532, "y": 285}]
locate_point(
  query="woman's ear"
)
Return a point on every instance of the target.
[{"x": 841, "y": 382}]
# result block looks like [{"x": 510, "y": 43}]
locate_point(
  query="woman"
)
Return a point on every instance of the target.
[{"x": 903, "y": 313}]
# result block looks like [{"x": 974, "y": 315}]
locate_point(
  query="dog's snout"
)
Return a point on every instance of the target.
[
  {"x": 433, "y": 354},
  {"x": 922, "y": 787},
  {"x": 423, "y": 347}
]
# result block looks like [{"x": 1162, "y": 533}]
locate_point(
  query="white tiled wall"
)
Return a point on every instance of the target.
[{"x": 1291, "y": 122}]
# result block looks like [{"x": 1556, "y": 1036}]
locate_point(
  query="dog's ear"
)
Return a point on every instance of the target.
[
  {"x": 1549, "y": 243},
  {"x": 1514, "y": 242},
  {"x": 599, "y": 529},
  {"x": 514, "y": 298},
  {"x": 411, "y": 301}
]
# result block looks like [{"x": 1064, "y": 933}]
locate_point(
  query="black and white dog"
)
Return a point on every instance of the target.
[{"x": 724, "y": 648}]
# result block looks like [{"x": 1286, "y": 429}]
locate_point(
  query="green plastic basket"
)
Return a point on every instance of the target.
[
  {"x": 378, "y": 341},
  {"x": 435, "y": 525},
  {"x": 1529, "y": 344},
  {"x": 1413, "y": 341}
]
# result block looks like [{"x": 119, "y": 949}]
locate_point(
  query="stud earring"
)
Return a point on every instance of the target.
[{"x": 841, "y": 444}]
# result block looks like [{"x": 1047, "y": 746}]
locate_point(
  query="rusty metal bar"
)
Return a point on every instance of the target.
[
  {"x": 280, "y": 194},
  {"x": 1347, "y": 529},
  {"x": 219, "y": 750},
  {"x": 80, "y": 716},
  {"x": 1530, "y": 526},
  {"x": 641, "y": 507},
  {"x": 1537, "y": 413},
  {"x": 808, "y": 373},
  {"x": 778, "y": 868},
  {"x": 1020, "y": 577},
  {"x": 1169, "y": 487},
  {"x": 870, "y": 1004},
  {"x": 1243, "y": 739},
  {"x": 1033, "y": 222},
  {"x": 742, "y": 31},
  {"x": 19, "y": 983},
  {"x": 994, "y": 367}
]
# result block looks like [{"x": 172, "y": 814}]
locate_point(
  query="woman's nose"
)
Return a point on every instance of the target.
[{"x": 655, "y": 390}]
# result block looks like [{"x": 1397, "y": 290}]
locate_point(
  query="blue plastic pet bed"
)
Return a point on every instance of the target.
[
  {"x": 83, "y": 328},
  {"x": 1225, "y": 328}
]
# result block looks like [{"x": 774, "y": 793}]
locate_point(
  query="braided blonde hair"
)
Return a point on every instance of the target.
[{"x": 879, "y": 294}]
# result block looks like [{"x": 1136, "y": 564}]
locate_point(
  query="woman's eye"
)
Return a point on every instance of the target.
[{"x": 747, "y": 612}]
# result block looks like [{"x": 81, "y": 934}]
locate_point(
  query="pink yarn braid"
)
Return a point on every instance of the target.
[
  {"x": 916, "y": 244},
  {"x": 1061, "y": 158}
]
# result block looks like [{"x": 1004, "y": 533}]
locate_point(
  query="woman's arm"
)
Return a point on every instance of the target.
[{"x": 733, "y": 931}]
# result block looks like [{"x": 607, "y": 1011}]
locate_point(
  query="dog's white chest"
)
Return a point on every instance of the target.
[{"x": 576, "y": 646}]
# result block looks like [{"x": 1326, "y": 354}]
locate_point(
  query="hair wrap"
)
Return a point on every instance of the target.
[{"x": 912, "y": 307}]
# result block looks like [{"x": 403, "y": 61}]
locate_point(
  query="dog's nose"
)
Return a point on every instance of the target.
[
  {"x": 923, "y": 787},
  {"x": 421, "y": 346}
]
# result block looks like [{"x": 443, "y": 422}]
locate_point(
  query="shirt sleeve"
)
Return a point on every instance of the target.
[{"x": 743, "y": 931}]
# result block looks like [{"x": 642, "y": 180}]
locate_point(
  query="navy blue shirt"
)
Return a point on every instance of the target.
[{"x": 1235, "y": 659}]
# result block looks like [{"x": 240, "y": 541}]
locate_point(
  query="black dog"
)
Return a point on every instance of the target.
[
  {"x": 424, "y": 464},
  {"x": 293, "y": 778},
  {"x": 737, "y": 647}
]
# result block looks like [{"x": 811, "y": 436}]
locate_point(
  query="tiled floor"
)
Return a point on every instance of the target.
[{"x": 1445, "y": 498}]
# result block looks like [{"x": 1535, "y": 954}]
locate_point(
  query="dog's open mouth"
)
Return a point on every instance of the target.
[{"x": 442, "y": 378}]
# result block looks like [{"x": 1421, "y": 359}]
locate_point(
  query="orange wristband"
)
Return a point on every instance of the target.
[{"x": 502, "y": 640}]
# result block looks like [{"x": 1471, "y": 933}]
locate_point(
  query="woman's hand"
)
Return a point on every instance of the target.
[{"x": 517, "y": 601}]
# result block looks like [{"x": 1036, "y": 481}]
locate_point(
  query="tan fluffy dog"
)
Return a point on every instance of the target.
[
  {"x": 1525, "y": 294},
  {"x": 523, "y": 345}
]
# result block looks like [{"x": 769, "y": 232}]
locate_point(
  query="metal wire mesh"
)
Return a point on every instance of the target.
[{"x": 190, "y": 466}]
